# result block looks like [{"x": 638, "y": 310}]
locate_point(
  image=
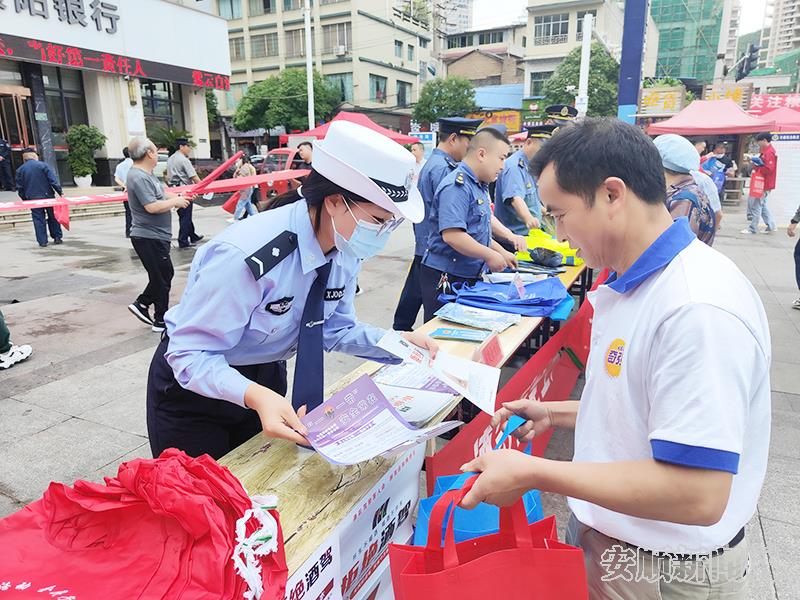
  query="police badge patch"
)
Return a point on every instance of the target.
[
  {"x": 334, "y": 294},
  {"x": 280, "y": 307}
]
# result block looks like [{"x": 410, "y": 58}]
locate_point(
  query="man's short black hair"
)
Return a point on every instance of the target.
[
  {"x": 444, "y": 136},
  {"x": 766, "y": 136},
  {"x": 719, "y": 143},
  {"x": 480, "y": 139},
  {"x": 309, "y": 144},
  {"x": 420, "y": 144},
  {"x": 126, "y": 153},
  {"x": 586, "y": 153}
]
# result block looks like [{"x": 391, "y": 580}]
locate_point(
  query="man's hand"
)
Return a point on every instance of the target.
[
  {"x": 504, "y": 476},
  {"x": 790, "y": 230},
  {"x": 532, "y": 223},
  {"x": 538, "y": 418},
  {"x": 278, "y": 418},
  {"x": 180, "y": 202},
  {"x": 497, "y": 262},
  {"x": 511, "y": 260},
  {"x": 520, "y": 243},
  {"x": 423, "y": 341}
]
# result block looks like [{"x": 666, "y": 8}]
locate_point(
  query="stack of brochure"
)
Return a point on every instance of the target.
[{"x": 479, "y": 318}]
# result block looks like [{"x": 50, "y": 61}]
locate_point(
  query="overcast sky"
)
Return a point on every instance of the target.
[{"x": 489, "y": 13}]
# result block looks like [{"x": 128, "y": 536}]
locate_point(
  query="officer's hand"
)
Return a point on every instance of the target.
[
  {"x": 511, "y": 260},
  {"x": 180, "y": 202},
  {"x": 791, "y": 229},
  {"x": 497, "y": 262},
  {"x": 532, "y": 223},
  {"x": 423, "y": 341},
  {"x": 520, "y": 243},
  {"x": 278, "y": 418},
  {"x": 537, "y": 418}
]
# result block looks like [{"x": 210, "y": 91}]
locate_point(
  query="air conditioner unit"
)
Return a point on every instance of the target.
[{"x": 340, "y": 50}]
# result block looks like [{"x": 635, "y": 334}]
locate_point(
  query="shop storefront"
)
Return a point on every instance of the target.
[{"x": 127, "y": 68}]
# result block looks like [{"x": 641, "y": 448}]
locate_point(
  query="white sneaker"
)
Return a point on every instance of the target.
[
  {"x": 796, "y": 304},
  {"x": 230, "y": 220},
  {"x": 14, "y": 355},
  {"x": 747, "y": 231}
]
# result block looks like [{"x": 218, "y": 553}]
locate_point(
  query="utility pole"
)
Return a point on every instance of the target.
[
  {"x": 630, "y": 64},
  {"x": 309, "y": 64},
  {"x": 582, "y": 100}
]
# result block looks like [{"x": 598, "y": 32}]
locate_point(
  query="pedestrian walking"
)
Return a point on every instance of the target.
[
  {"x": 151, "y": 231},
  {"x": 35, "y": 181},
  {"x": 762, "y": 182},
  {"x": 245, "y": 204},
  {"x": 120, "y": 177},
  {"x": 181, "y": 172},
  {"x": 791, "y": 232}
]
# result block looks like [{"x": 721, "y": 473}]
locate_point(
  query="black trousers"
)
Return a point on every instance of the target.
[
  {"x": 429, "y": 281},
  {"x": 6, "y": 180},
  {"x": 178, "y": 418},
  {"x": 154, "y": 255},
  {"x": 186, "y": 232},
  {"x": 797, "y": 263},
  {"x": 127, "y": 219},
  {"x": 405, "y": 315}
]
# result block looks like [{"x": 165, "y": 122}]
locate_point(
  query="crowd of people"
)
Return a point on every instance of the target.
[{"x": 656, "y": 470}]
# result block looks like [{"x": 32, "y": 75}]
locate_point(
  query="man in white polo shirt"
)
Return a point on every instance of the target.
[{"x": 672, "y": 430}]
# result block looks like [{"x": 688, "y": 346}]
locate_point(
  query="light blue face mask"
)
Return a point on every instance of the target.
[{"x": 366, "y": 241}]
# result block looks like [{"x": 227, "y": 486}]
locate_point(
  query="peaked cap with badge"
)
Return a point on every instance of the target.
[{"x": 561, "y": 112}]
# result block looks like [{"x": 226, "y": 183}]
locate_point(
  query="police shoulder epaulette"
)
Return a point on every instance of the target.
[
  {"x": 460, "y": 178},
  {"x": 521, "y": 162},
  {"x": 269, "y": 255},
  {"x": 451, "y": 161}
]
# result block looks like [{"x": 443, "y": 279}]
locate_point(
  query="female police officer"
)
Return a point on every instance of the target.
[{"x": 274, "y": 285}]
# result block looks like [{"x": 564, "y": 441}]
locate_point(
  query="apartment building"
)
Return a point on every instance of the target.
[
  {"x": 784, "y": 32},
  {"x": 456, "y": 15},
  {"x": 376, "y": 53},
  {"x": 487, "y": 56},
  {"x": 555, "y": 28}
]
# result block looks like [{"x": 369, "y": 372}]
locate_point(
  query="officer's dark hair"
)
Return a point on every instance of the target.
[
  {"x": 586, "y": 153},
  {"x": 481, "y": 139},
  {"x": 315, "y": 189},
  {"x": 126, "y": 153},
  {"x": 766, "y": 136},
  {"x": 443, "y": 137}
]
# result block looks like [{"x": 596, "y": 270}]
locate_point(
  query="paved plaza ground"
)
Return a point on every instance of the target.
[{"x": 76, "y": 408}]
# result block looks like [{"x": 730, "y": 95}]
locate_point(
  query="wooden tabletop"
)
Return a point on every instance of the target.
[{"x": 314, "y": 495}]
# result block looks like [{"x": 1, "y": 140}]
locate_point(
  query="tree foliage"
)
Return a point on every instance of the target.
[
  {"x": 212, "y": 108},
  {"x": 448, "y": 97},
  {"x": 163, "y": 137},
  {"x": 562, "y": 87},
  {"x": 282, "y": 100}
]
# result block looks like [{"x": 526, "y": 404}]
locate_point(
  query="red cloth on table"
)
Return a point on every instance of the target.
[{"x": 162, "y": 528}]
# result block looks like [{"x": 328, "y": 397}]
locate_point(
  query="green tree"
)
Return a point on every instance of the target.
[
  {"x": 448, "y": 97},
  {"x": 562, "y": 87},
  {"x": 164, "y": 137},
  {"x": 212, "y": 108},
  {"x": 282, "y": 100}
]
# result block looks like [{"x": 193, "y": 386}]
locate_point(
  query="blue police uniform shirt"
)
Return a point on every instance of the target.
[
  {"x": 460, "y": 202},
  {"x": 438, "y": 166},
  {"x": 516, "y": 180},
  {"x": 228, "y": 317}
]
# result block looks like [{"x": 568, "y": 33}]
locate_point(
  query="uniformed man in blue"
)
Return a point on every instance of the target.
[
  {"x": 460, "y": 245},
  {"x": 277, "y": 284},
  {"x": 454, "y": 136},
  {"x": 516, "y": 198},
  {"x": 560, "y": 114},
  {"x": 6, "y": 176}
]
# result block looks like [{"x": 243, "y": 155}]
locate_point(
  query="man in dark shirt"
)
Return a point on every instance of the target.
[{"x": 36, "y": 180}]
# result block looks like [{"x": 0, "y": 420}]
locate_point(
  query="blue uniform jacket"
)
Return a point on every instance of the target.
[
  {"x": 436, "y": 168},
  {"x": 36, "y": 180}
]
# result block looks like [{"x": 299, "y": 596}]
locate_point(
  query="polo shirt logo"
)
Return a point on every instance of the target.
[{"x": 614, "y": 356}]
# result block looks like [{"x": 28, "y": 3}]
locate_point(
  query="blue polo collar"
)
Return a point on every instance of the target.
[
  {"x": 449, "y": 159},
  {"x": 657, "y": 256}
]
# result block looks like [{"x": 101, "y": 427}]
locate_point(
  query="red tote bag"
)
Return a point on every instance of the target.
[
  {"x": 757, "y": 184},
  {"x": 520, "y": 562}
]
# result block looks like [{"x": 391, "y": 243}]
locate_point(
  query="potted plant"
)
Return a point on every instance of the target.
[{"x": 83, "y": 141}]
